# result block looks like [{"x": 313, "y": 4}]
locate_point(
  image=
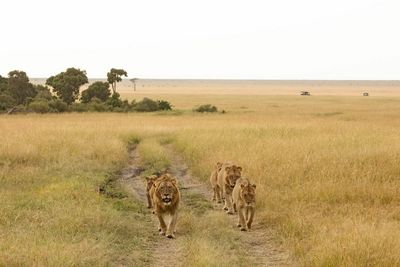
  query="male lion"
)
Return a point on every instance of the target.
[
  {"x": 214, "y": 183},
  {"x": 165, "y": 197},
  {"x": 244, "y": 201},
  {"x": 227, "y": 177}
]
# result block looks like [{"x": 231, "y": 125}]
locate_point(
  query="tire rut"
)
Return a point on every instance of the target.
[
  {"x": 261, "y": 247},
  {"x": 166, "y": 250}
]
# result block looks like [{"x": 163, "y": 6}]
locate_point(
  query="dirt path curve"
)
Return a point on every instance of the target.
[
  {"x": 258, "y": 243},
  {"x": 166, "y": 251}
]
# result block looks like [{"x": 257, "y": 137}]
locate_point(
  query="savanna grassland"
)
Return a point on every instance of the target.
[{"x": 326, "y": 167}]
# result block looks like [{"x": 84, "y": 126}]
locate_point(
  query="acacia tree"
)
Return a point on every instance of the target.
[
  {"x": 114, "y": 76},
  {"x": 134, "y": 83},
  {"x": 19, "y": 86},
  {"x": 66, "y": 84}
]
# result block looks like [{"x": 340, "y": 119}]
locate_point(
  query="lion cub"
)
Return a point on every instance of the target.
[
  {"x": 244, "y": 201},
  {"x": 165, "y": 198},
  {"x": 227, "y": 177}
]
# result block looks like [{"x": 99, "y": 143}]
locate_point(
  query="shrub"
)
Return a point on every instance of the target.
[
  {"x": 58, "y": 105},
  {"x": 100, "y": 90},
  {"x": 164, "y": 105},
  {"x": 6, "y": 102},
  {"x": 97, "y": 105},
  {"x": 126, "y": 106},
  {"x": 118, "y": 109},
  {"x": 205, "y": 108},
  {"x": 146, "y": 105},
  {"x": 78, "y": 107},
  {"x": 114, "y": 101},
  {"x": 39, "y": 106}
]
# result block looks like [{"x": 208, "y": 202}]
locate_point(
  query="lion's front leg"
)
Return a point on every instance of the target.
[
  {"x": 242, "y": 221},
  {"x": 229, "y": 205},
  {"x": 250, "y": 216},
  {"x": 149, "y": 202},
  {"x": 218, "y": 194},
  {"x": 162, "y": 226},
  {"x": 171, "y": 226},
  {"x": 214, "y": 198},
  {"x": 224, "y": 194}
]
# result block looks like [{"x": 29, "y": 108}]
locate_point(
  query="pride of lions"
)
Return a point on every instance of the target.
[{"x": 228, "y": 185}]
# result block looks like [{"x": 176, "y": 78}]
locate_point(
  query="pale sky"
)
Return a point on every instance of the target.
[{"x": 217, "y": 39}]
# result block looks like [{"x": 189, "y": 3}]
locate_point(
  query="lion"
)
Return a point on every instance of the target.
[
  {"x": 165, "y": 198},
  {"x": 227, "y": 177},
  {"x": 150, "y": 186},
  {"x": 150, "y": 180},
  {"x": 244, "y": 202},
  {"x": 214, "y": 183}
]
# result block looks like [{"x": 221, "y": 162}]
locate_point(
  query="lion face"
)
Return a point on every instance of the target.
[
  {"x": 248, "y": 194},
  {"x": 232, "y": 174},
  {"x": 167, "y": 191}
]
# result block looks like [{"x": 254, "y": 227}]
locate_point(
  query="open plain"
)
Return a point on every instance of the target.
[{"x": 326, "y": 168}]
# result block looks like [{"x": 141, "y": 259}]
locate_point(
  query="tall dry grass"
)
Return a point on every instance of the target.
[
  {"x": 327, "y": 170},
  {"x": 51, "y": 213}
]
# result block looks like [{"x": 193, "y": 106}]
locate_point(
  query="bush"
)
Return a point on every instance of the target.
[
  {"x": 205, "y": 108},
  {"x": 6, "y": 102},
  {"x": 58, "y": 105},
  {"x": 97, "y": 105},
  {"x": 164, "y": 105},
  {"x": 146, "y": 105},
  {"x": 78, "y": 107},
  {"x": 39, "y": 106},
  {"x": 114, "y": 101},
  {"x": 100, "y": 90}
]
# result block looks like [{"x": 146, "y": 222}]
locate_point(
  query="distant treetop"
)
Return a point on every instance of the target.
[{"x": 114, "y": 76}]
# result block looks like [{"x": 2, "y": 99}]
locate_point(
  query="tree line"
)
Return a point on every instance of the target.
[{"x": 61, "y": 93}]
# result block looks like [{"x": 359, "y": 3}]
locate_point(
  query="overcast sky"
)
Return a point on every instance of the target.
[{"x": 285, "y": 39}]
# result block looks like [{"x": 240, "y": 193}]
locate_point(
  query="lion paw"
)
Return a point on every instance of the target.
[
  {"x": 170, "y": 236},
  {"x": 243, "y": 229}
]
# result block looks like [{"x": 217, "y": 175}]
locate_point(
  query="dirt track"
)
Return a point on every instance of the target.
[{"x": 258, "y": 243}]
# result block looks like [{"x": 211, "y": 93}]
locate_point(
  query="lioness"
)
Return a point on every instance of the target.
[
  {"x": 244, "y": 201},
  {"x": 149, "y": 184},
  {"x": 227, "y": 177},
  {"x": 165, "y": 197},
  {"x": 214, "y": 183}
]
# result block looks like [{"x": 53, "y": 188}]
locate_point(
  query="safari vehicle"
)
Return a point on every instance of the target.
[{"x": 305, "y": 93}]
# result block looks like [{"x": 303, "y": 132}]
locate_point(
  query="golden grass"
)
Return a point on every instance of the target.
[{"x": 327, "y": 173}]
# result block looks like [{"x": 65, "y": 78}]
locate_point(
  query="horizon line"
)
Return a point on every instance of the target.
[{"x": 247, "y": 79}]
